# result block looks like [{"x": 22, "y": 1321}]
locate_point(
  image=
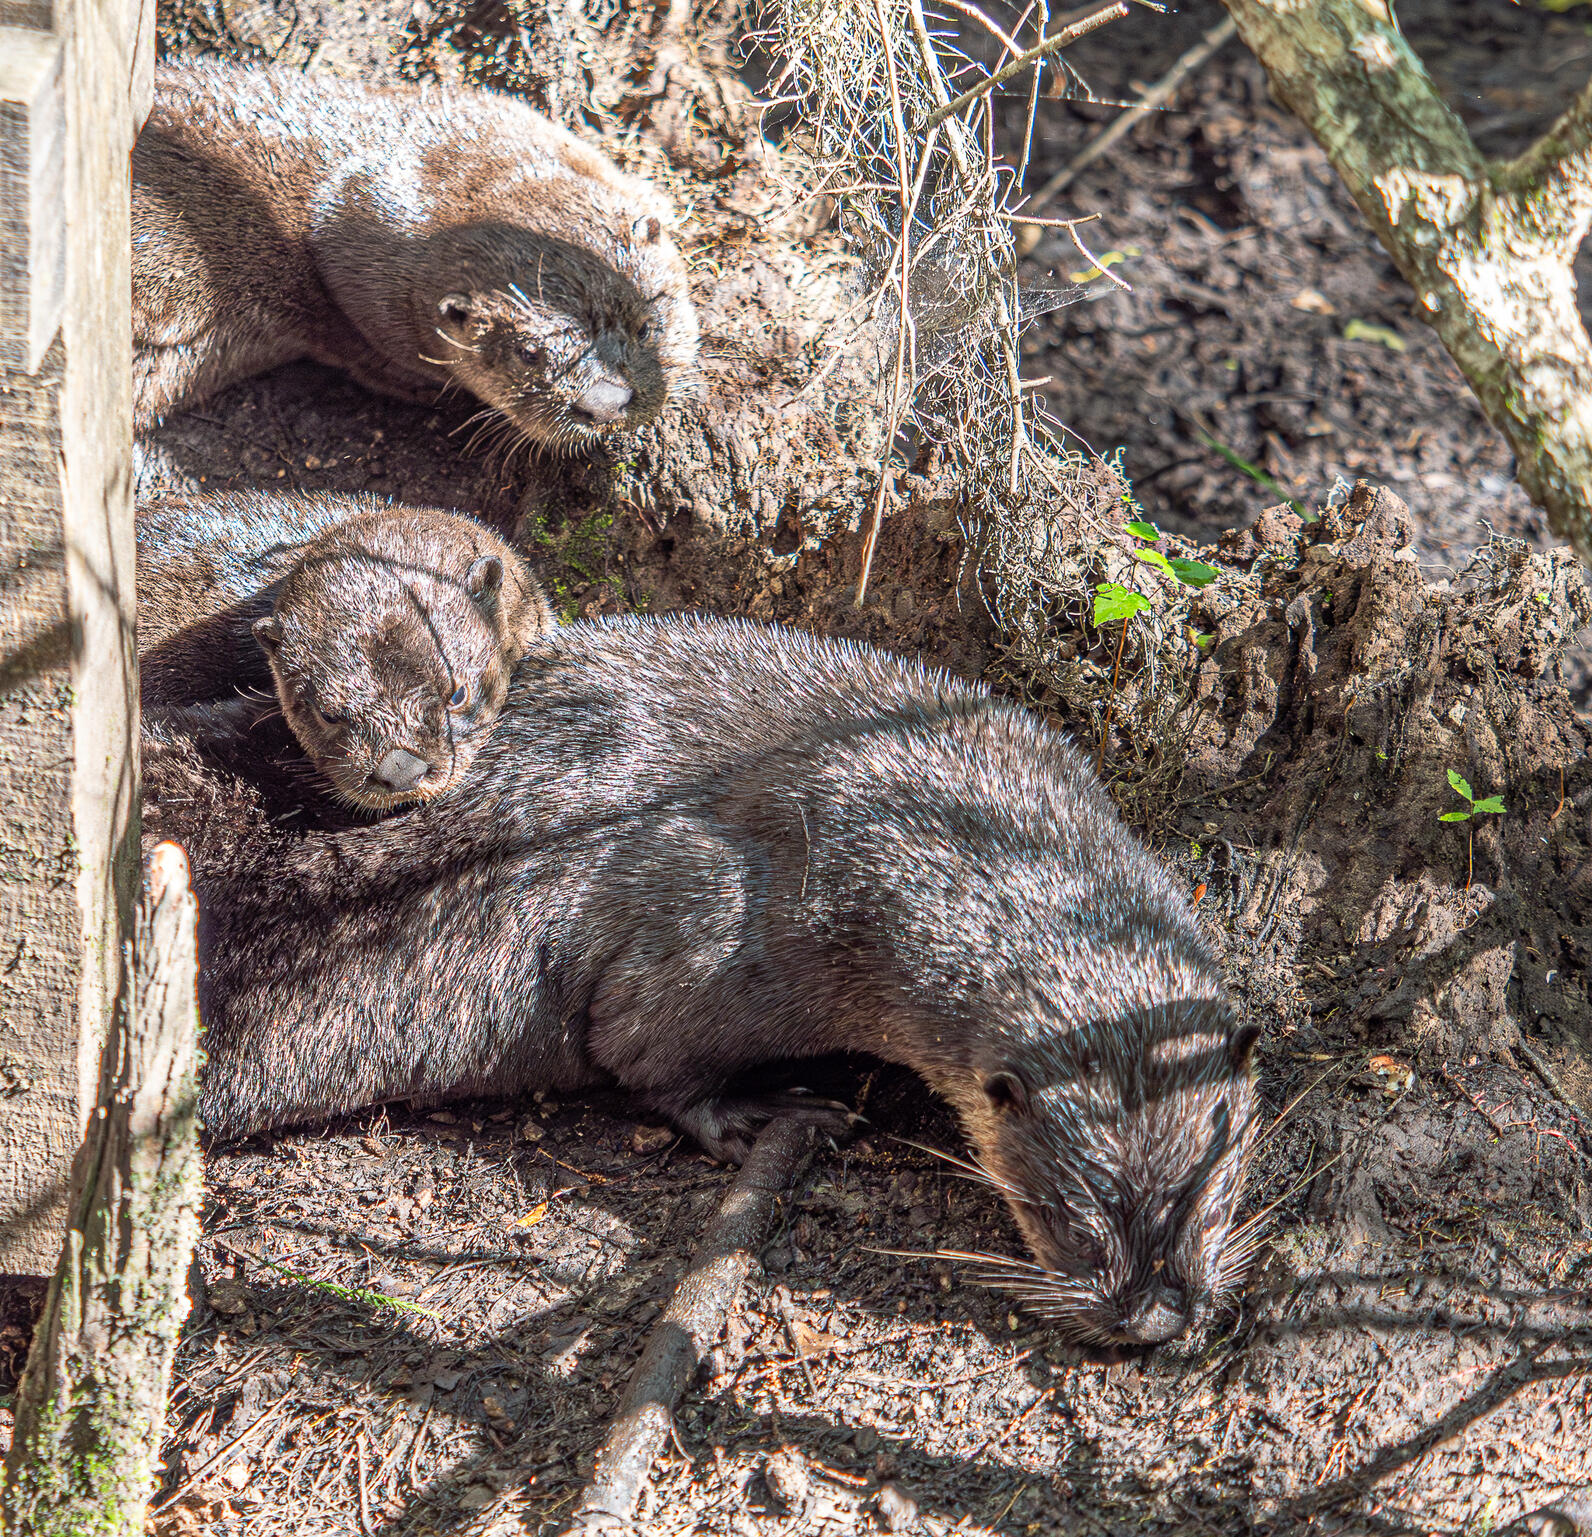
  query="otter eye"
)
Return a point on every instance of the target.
[
  {"x": 644, "y": 331},
  {"x": 531, "y": 355},
  {"x": 330, "y": 721},
  {"x": 460, "y": 697}
]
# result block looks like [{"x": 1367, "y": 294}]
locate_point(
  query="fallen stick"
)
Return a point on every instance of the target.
[
  {"x": 688, "y": 1328},
  {"x": 1157, "y": 96}
]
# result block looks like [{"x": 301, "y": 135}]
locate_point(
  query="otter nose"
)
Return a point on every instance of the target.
[
  {"x": 400, "y": 770},
  {"x": 1153, "y": 1317},
  {"x": 604, "y": 402}
]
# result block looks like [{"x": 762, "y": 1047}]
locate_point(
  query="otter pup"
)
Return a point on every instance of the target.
[
  {"x": 387, "y": 633},
  {"x": 695, "y": 846},
  {"x": 415, "y": 236}
]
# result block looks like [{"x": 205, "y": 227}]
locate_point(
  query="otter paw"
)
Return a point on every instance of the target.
[{"x": 726, "y": 1127}]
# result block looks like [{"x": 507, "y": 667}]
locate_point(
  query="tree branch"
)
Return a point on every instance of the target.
[
  {"x": 690, "y": 1325},
  {"x": 1556, "y": 171},
  {"x": 1487, "y": 246}
]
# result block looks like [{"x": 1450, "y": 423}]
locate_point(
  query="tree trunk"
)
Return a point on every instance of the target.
[
  {"x": 91, "y": 1406},
  {"x": 1486, "y": 245}
]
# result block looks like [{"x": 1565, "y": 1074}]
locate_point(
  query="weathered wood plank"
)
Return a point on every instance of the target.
[
  {"x": 68, "y": 671},
  {"x": 92, "y": 1404}
]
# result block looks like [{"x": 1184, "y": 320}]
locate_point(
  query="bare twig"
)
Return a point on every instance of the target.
[
  {"x": 1113, "y": 12},
  {"x": 909, "y": 203},
  {"x": 1103, "y": 268},
  {"x": 1154, "y": 98},
  {"x": 1105, "y": 730},
  {"x": 693, "y": 1320},
  {"x": 1546, "y": 1073}
]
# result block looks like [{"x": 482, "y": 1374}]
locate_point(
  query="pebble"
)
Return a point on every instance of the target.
[{"x": 896, "y": 1509}]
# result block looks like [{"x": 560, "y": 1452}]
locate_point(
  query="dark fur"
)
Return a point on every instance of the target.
[
  {"x": 415, "y": 236},
  {"x": 368, "y": 621},
  {"x": 692, "y": 847}
]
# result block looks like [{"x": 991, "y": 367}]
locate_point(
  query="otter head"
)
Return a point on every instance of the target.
[
  {"x": 1121, "y": 1147},
  {"x": 569, "y": 341},
  {"x": 391, "y": 675}
]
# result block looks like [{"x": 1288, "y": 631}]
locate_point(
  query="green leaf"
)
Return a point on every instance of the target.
[
  {"x": 1203, "y": 638},
  {"x": 1154, "y": 558},
  {"x": 1143, "y": 530},
  {"x": 1260, "y": 477},
  {"x": 1454, "y": 816},
  {"x": 1114, "y": 601},
  {"x": 1492, "y": 804},
  {"x": 1193, "y": 573},
  {"x": 1461, "y": 785},
  {"x": 1360, "y": 331}
]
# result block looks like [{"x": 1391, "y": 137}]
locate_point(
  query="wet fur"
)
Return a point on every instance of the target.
[
  {"x": 278, "y": 216},
  {"x": 373, "y": 618},
  {"x": 692, "y": 847}
]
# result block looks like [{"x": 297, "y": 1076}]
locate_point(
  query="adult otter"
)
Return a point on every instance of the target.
[
  {"x": 387, "y": 633},
  {"x": 692, "y": 847},
  {"x": 415, "y": 236}
]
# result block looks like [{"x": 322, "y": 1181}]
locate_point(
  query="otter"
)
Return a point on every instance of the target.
[
  {"x": 387, "y": 634},
  {"x": 695, "y": 846},
  {"x": 417, "y": 237}
]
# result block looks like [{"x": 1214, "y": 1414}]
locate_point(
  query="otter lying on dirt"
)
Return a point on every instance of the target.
[
  {"x": 694, "y": 846},
  {"x": 414, "y": 235}
]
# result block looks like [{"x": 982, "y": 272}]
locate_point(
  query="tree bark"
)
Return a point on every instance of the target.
[
  {"x": 1486, "y": 245},
  {"x": 91, "y": 1406}
]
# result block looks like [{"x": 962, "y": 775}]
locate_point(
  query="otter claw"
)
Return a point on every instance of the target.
[{"x": 725, "y": 1127}]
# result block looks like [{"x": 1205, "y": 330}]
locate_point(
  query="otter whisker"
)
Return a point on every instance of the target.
[
  {"x": 970, "y": 1169},
  {"x": 1288, "y": 1109},
  {"x": 1298, "y": 1185}
]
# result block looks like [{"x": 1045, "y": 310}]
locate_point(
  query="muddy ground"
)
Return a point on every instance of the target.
[{"x": 421, "y": 1321}]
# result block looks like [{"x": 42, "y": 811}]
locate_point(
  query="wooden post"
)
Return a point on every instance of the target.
[
  {"x": 75, "y": 79},
  {"x": 91, "y": 1406}
]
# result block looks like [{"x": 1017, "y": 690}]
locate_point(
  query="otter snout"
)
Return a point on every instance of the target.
[
  {"x": 1151, "y": 1318},
  {"x": 603, "y": 403},
  {"x": 399, "y": 772}
]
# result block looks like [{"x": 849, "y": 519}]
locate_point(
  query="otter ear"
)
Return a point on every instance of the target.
[
  {"x": 268, "y": 632},
  {"x": 1007, "y": 1092},
  {"x": 485, "y": 577},
  {"x": 647, "y": 230},
  {"x": 454, "y": 316},
  {"x": 1241, "y": 1046}
]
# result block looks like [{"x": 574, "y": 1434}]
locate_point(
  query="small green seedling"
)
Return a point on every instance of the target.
[
  {"x": 1192, "y": 573},
  {"x": 1383, "y": 336},
  {"x": 1114, "y": 602},
  {"x": 1490, "y": 805}
]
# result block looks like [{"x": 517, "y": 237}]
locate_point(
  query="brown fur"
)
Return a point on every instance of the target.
[
  {"x": 415, "y": 236},
  {"x": 388, "y": 634},
  {"x": 695, "y": 847}
]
